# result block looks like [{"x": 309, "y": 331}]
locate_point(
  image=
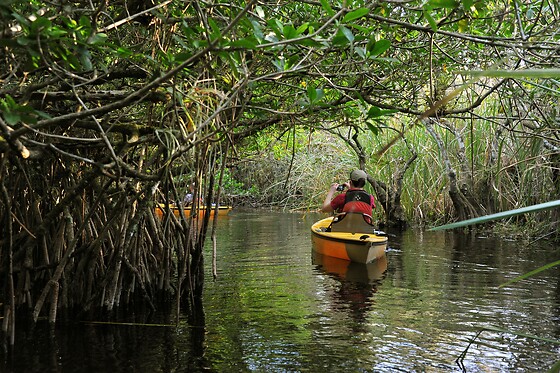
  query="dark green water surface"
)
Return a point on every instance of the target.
[{"x": 276, "y": 307}]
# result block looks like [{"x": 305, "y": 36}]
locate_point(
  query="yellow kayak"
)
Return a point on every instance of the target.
[{"x": 360, "y": 243}]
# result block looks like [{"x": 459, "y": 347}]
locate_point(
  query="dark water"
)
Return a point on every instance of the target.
[{"x": 275, "y": 307}]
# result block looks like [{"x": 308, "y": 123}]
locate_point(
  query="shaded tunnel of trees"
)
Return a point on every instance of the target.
[{"x": 109, "y": 108}]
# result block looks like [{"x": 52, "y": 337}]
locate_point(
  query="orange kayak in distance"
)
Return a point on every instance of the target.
[{"x": 161, "y": 209}]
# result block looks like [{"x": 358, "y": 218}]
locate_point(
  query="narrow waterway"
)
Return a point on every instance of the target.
[{"x": 433, "y": 304}]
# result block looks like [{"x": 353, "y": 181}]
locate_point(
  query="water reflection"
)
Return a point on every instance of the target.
[
  {"x": 278, "y": 307},
  {"x": 357, "y": 282},
  {"x": 347, "y": 271}
]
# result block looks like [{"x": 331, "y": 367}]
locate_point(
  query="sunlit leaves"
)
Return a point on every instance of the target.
[{"x": 282, "y": 31}]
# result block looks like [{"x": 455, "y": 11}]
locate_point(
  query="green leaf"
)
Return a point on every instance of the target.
[
  {"x": 247, "y": 43},
  {"x": 216, "y": 32},
  {"x": 289, "y": 32},
  {"x": 301, "y": 29},
  {"x": 42, "y": 114},
  {"x": 57, "y": 32},
  {"x": 463, "y": 25},
  {"x": 257, "y": 30},
  {"x": 362, "y": 29},
  {"x": 314, "y": 94},
  {"x": 182, "y": 57},
  {"x": 340, "y": 39},
  {"x": 28, "y": 119},
  {"x": 260, "y": 12},
  {"x": 430, "y": 19},
  {"x": 40, "y": 23},
  {"x": 279, "y": 63},
  {"x": 99, "y": 38},
  {"x": 72, "y": 60},
  {"x": 372, "y": 128},
  {"x": 311, "y": 93},
  {"x": 292, "y": 60},
  {"x": 124, "y": 52},
  {"x": 310, "y": 43},
  {"x": 23, "y": 41},
  {"x": 449, "y": 4},
  {"x": 360, "y": 52},
  {"x": 14, "y": 113},
  {"x": 374, "y": 112},
  {"x": 327, "y": 7},
  {"x": 347, "y": 33},
  {"x": 20, "y": 19},
  {"x": 351, "y": 111},
  {"x": 358, "y": 13},
  {"x": 467, "y": 4},
  {"x": 85, "y": 22},
  {"x": 276, "y": 26},
  {"x": 11, "y": 118},
  {"x": 378, "y": 47},
  {"x": 85, "y": 59}
]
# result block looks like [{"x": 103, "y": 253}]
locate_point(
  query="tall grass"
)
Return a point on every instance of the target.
[{"x": 509, "y": 168}]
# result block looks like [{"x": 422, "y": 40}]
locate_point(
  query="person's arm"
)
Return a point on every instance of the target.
[{"x": 327, "y": 203}]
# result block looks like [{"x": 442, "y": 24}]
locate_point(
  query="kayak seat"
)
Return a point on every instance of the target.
[{"x": 353, "y": 222}]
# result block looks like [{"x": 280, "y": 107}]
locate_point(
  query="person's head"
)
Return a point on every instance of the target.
[{"x": 358, "y": 178}]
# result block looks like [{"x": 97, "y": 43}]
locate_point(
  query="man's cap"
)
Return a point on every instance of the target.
[{"x": 357, "y": 175}]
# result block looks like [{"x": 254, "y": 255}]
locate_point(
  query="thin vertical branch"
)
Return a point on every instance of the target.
[{"x": 9, "y": 324}]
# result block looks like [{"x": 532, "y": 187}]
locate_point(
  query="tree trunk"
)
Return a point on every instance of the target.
[
  {"x": 461, "y": 196},
  {"x": 389, "y": 196}
]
